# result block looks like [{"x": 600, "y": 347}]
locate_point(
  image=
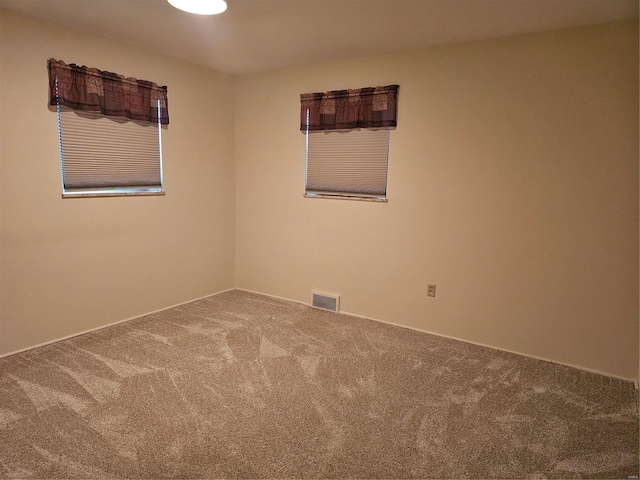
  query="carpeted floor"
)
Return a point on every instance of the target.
[{"x": 240, "y": 385}]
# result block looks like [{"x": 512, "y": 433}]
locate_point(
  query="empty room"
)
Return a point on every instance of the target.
[{"x": 319, "y": 239}]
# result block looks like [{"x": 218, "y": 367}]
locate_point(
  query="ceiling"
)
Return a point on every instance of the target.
[{"x": 260, "y": 35}]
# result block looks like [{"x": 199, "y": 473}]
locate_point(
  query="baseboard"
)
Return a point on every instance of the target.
[
  {"x": 306, "y": 304},
  {"x": 109, "y": 324},
  {"x": 597, "y": 372},
  {"x": 534, "y": 357}
]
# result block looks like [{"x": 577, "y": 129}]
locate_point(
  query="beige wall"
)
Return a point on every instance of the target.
[
  {"x": 513, "y": 186},
  {"x": 70, "y": 265}
]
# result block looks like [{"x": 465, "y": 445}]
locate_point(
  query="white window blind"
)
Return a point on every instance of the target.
[
  {"x": 349, "y": 163},
  {"x": 103, "y": 155}
]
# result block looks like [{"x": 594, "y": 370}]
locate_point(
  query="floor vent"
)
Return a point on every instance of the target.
[{"x": 325, "y": 301}]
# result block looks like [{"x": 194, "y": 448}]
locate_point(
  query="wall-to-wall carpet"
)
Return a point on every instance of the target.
[{"x": 240, "y": 385}]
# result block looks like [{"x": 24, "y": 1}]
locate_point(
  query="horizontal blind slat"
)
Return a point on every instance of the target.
[
  {"x": 98, "y": 151},
  {"x": 349, "y": 162}
]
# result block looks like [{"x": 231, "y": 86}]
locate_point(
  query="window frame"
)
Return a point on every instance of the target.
[
  {"x": 338, "y": 195},
  {"x": 111, "y": 191}
]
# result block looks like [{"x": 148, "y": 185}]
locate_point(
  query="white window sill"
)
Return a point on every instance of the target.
[
  {"x": 112, "y": 193},
  {"x": 346, "y": 197}
]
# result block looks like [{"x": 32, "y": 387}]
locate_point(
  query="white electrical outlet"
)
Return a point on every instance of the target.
[{"x": 431, "y": 290}]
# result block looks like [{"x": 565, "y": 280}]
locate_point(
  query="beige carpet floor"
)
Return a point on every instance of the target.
[{"x": 240, "y": 385}]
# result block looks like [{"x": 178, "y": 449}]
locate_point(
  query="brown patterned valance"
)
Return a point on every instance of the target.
[
  {"x": 371, "y": 107},
  {"x": 83, "y": 88}
]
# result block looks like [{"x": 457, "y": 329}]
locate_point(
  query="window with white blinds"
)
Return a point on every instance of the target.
[
  {"x": 103, "y": 155},
  {"x": 348, "y": 163}
]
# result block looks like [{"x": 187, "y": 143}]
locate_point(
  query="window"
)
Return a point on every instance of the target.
[
  {"x": 104, "y": 155},
  {"x": 348, "y": 164},
  {"x": 110, "y": 131},
  {"x": 347, "y": 142}
]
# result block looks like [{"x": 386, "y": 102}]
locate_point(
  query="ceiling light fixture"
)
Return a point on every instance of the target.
[{"x": 200, "y": 7}]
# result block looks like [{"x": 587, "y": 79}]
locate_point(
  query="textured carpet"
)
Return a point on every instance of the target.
[{"x": 240, "y": 385}]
